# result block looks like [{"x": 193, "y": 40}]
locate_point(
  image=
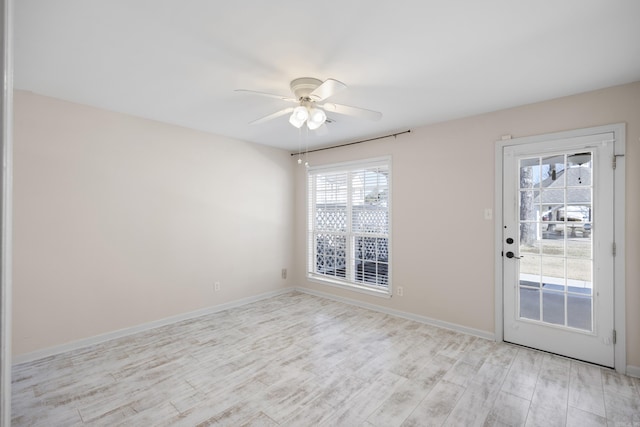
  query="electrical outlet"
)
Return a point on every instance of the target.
[
  {"x": 284, "y": 273},
  {"x": 400, "y": 291},
  {"x": 216, "y": 286}
]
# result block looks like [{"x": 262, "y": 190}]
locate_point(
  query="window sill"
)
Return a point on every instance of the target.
[{"x": 386, "y": 293}]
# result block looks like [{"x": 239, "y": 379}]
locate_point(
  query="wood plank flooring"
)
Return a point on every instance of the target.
[{"x": 301, "y": 360}]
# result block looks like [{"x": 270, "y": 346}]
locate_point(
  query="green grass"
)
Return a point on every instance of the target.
[{"x": 547, "y": 257}]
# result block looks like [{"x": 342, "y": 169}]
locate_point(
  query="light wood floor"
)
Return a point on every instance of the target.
[{"x": 301, "y": 360}]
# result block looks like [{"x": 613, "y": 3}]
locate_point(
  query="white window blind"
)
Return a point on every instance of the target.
[{"x": 349, "y": 224}]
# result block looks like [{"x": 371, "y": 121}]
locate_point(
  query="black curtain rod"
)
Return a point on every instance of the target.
[{"x": 352, "y": 143}]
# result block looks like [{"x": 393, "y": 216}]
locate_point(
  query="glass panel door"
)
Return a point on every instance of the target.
[
  {"x": 556, "y": 257},
  {"x": 557, "y": 246}
]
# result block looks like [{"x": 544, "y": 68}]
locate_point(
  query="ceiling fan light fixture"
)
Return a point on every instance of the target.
[
  {"x": 310, "y": 107},
  {"x": 316, "y": 118},
  {"x": 299, "y": 116}
]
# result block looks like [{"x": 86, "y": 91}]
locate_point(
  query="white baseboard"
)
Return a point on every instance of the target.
[
  {"x": 410, "y": 316},
  {"x": 633, "y": 371},
  {"x": 86, "y": 342}
]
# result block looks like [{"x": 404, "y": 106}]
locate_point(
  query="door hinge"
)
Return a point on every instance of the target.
[
  {"x": 614, "y": 336},
  {"x": 613, "y": 248},
  {"x": 614, "y": 163}
]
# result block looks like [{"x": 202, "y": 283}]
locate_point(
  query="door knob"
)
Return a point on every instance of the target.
[{"x": 511, "y": 255}]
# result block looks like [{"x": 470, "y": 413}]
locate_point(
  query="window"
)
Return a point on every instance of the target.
[{"x": 349, "y": 228}]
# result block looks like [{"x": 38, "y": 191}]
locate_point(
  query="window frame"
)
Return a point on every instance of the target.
[{"x": 346, "y": 283}]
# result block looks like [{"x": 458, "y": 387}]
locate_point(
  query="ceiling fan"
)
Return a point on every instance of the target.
[{"x": 309, "y": 93}]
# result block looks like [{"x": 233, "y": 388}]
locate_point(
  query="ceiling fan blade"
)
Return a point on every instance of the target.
[
  {"x": 268, "y": 95},
  {"x": 328, "y": 88},
  {"x": 272, "y": 116},
  {"x": 353, "y": 111}
]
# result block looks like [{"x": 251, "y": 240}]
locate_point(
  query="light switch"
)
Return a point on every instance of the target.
[{"x": 488, "y": 213}]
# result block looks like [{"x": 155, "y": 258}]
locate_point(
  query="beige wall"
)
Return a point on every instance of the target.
[
  {"x": 443, "y": 179},
  {"x": 121, "y": 221}
]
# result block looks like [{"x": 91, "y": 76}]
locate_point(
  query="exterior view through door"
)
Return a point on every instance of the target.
[{"x": 557, "y": 240}]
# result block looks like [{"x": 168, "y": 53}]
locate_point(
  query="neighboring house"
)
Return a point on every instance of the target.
[{"x": 574, "y": 208}]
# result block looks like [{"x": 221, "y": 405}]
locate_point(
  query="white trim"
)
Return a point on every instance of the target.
[
  {"x": 403, "y": 314},
  {"x": 633, "y": 371},
  {"x": 97, "y": 339},
  {"x": 619, "y": 261},
  {"x": 7, "y": 209},
  {"x": 86, "y": 342},
  {"x": 386, "y": 293},
  {"x": 619, "y": 234},
  {"x": 498, "y": 258}
]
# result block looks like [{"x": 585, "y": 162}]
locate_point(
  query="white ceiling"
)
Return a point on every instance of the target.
[{"x": 418, "y": 62}]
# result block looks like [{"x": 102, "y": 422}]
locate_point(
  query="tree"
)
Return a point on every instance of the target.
[{"x": 527, "y": 229}]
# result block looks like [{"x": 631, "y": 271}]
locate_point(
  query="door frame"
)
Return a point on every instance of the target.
[
  {"x": 618, "y": 130},
  {"x": 6, "y": 208}
]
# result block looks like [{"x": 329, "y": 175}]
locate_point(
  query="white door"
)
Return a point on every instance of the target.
[{"x": 558, "y": 247}]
